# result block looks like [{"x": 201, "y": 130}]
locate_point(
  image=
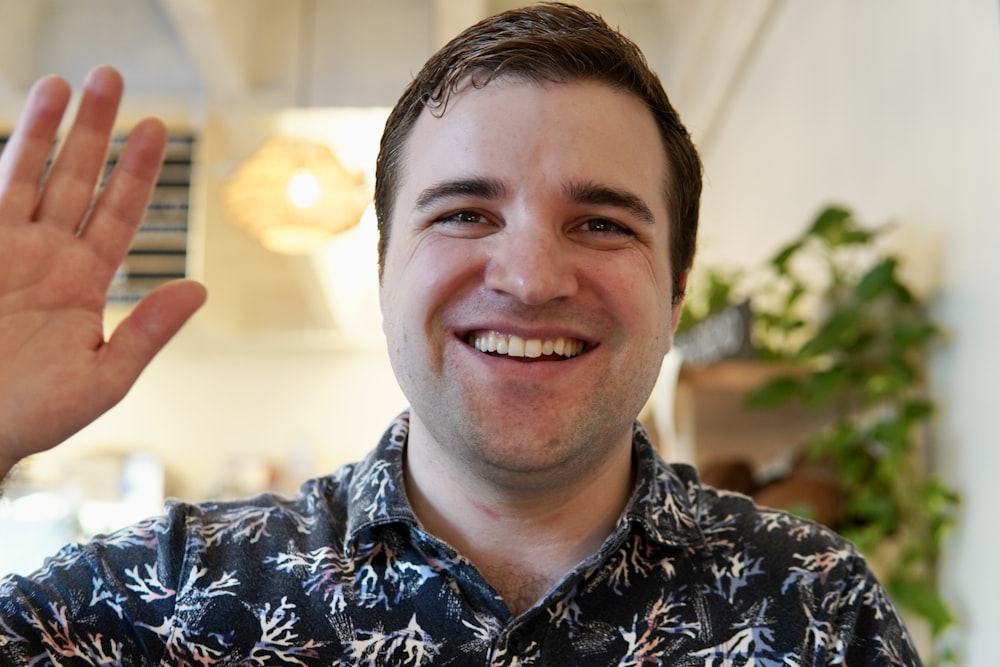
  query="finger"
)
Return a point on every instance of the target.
[
  {"x": 122, "y": 204},
  {"x": 29, "y": 147},
  {"x": 150, "y": 325},
  {"x": 69, "y": 188}
]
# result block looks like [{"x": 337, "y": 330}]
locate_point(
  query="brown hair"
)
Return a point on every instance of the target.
[{"x": 548, "y": 42}]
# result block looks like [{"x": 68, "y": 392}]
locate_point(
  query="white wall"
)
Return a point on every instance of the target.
[{"x": 892, "y": 108}]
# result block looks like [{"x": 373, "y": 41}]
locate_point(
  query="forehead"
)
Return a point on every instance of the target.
[{"x": 546, "y": 132}]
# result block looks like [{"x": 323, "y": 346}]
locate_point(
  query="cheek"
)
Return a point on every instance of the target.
[
  {"x": 418, "y": 285},
  {"x": 643, "y": 304},
  {"x": 641, "y": 284}
]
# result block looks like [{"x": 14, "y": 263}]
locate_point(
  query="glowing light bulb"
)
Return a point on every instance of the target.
[{"x": 303, "y": 189}]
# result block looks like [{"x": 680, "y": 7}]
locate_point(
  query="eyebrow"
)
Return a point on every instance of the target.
[
  {"x": 603, "y": 195},
  {"x": 484, "y": 188}
]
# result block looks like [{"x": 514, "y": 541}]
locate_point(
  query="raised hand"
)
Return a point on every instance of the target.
[{"x": 59, "y": 250}]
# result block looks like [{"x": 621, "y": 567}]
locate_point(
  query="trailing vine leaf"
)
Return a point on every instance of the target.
[
  {"x": 878, "y": 279},
  {"x": 906, "y": 334},
  {"x": 773, "y": 393},
  {"x": 780, "y": 261},
  {"x": 838, "y": 333},
  {"x": 825, "y": 387},
  {"x": 836, "y": 227}
]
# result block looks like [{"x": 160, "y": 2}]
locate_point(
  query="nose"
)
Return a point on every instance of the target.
[{"x": 531, "y": 263}]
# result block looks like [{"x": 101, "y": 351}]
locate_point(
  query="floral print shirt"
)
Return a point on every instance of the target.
[{"x": 343, "y": 574}]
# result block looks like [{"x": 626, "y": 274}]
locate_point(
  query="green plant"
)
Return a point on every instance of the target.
[{"x": 831, "y": 306}]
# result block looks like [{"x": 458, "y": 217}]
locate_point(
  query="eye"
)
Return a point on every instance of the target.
[
  {"x": 463, "y": 218},
  {"x": 606, "y": 226},
  {"x": 465, "y": 223}
]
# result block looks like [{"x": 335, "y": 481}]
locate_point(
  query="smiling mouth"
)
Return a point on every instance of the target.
[{"x": 499, "y": 344}]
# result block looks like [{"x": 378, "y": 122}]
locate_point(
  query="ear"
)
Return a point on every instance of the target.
[
  {"x": 381, "y": 303},
  {"x": 677, "y": 306}
]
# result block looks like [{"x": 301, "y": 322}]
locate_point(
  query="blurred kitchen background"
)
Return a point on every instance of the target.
[{"x": 890, "y": 107}]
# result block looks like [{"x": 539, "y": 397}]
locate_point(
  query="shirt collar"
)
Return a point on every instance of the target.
[
  {"x": 665, "y": 500},
  {"x": 375, "y": 485},
  {"x": 664, "y": 503}
]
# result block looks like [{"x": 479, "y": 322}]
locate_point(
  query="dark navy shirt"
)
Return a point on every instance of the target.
[{"x": 343, "y": 574}]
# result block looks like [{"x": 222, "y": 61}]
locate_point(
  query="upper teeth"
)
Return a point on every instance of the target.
[{"x": 515, "y": 346}]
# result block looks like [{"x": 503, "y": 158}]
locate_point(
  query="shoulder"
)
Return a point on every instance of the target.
[
  {"x": 732, "y": 522},
  {"x": 319, "y": 508},
  {"x": 722, "y": 511},
  {"x": 804, "y": 571},
  {"x": 219, "y": 534},
  {"x": 679, "y": 509},
  {"x": 765, "y": 570},
  {"x": 726, "y": 535}
]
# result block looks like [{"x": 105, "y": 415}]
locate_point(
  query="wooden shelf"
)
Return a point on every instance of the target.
[
  {"x": 711, "y": 424},
  {"x": 731, "y": 375}
]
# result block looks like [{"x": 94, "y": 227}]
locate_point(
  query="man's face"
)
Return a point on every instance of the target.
[{"x": 526, "y": 293}]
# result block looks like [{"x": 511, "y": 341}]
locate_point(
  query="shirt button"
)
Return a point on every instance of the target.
[{"x": 516, "y": 642}]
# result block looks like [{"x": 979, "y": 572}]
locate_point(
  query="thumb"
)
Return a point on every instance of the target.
[{"x": 150, "y": 325}]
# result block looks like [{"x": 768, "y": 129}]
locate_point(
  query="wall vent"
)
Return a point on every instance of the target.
[{"x": 159, "y": 252}]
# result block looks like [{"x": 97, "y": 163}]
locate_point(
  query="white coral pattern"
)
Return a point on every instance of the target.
[{"x": 406, "y": 646}]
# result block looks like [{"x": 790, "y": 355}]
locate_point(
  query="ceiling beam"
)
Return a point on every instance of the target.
[
  {"x": 713, "y": 54},
  {"x": 211, "y": 35}
]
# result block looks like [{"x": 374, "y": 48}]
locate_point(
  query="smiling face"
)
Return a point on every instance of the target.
[{"x": 526, "y": 292}]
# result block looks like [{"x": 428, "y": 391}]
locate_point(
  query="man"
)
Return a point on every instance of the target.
[{"x": 537, "y": 200}]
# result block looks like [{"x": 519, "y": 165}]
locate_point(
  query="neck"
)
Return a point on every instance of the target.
[{"x": 522, "y": 532}]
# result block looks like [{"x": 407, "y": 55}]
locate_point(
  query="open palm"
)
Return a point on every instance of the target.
[{"x": 59, "y": 250}]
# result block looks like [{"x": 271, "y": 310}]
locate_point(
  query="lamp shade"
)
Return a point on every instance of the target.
[{"x": 292, "y": 195}]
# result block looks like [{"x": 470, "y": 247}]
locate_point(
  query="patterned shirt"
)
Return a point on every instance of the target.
[{"x": 343, "y": 574}]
